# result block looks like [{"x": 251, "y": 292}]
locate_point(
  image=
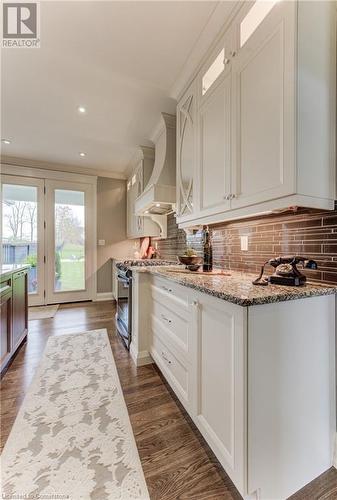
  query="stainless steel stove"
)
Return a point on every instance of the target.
[{"x": 124, "y": 294}]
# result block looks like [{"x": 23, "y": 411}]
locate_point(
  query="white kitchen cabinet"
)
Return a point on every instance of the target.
[
  {"x": 138, "y": 226},
  {"x": 186, "y": 151},
  {"x": 220, "y": 381},
  {"x": 266, "y": 128},
  {"x": 214, "y": 148},
  {"x": 263, "y": 72},
  {"x": 258, "y": 381}
]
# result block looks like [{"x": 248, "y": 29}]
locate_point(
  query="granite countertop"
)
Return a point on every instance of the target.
[
  {"x": 238, "y": 288},
  {"x": 144, "y": 262},
  {"x": 12, "y": 268}
]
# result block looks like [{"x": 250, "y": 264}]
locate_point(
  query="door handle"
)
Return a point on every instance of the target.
[
  {"x": 165, "y": 358},
  {"x": 166, "y": 319}
]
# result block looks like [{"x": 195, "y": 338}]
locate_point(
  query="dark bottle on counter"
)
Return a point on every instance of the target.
[{"x": 208, "y": 255}]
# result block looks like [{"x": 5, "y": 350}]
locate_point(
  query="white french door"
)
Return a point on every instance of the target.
[
  {"x": 22, "y": 232},
  {"x": 69, "y": 227},
  {"x": 49, "y": 224}
]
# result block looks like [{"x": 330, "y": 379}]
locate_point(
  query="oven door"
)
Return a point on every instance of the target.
[{"x": 124, "y": 309}]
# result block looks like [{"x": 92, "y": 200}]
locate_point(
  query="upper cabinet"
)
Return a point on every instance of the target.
[
  {"x": 263, "y": 90},
  {"x": 139, "y": 226},
  {"x": 214, "y": 129},
  {"x": 262, "y": 135}
]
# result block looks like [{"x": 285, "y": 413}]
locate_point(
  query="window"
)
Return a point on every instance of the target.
[
  {"x": 213, "y": 72},
  {"x": 254, "y": 18}
]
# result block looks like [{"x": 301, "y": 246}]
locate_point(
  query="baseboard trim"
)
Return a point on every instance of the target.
[
  {"x": 140, "y": 358},
  {"x": 334, "y": 463},
  {"x": 104, "y": 296}
]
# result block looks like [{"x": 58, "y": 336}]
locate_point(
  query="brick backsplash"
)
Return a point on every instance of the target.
[{"x": 309, "y": 233}]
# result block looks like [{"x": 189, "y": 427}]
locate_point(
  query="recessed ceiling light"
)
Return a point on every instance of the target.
[
  {"x": 82, "y": 154},
  {"x": 157, "y": 204},
  {"x": 81, "y": 109},
  {"x": 6, "y": 141},
  {"x": 146, "y": 211}
]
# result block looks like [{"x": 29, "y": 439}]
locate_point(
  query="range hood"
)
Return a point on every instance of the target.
[{"x": 159, "y": 195}]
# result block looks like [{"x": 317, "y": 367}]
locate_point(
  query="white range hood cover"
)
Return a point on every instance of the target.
[{"x": 159, "y": 196}]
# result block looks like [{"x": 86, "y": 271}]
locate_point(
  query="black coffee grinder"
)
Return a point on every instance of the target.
[{"x": 286, "y": 271}]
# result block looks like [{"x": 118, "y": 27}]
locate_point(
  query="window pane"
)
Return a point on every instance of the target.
[
  {"x": 255, "y": 16},
  {"x": 19, "y": 229},
  {"x": 213, "y": 72},
  {"x": 69, "y": 240}
]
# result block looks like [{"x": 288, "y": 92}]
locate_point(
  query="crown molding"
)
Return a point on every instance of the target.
[
  {"x": 217, "y": 24},
  {"x": 75, "y": 169}
]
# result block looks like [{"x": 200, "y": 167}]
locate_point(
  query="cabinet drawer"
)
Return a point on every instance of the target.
[
  {"x": 175, "y": 372},
  {"x": 171, "y": 291},
  {"x": 173, "y": 325}
]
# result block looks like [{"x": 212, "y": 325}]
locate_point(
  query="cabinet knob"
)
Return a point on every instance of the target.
[
  {"x": 226, "y": 197},
  {"x": 233, "y": 53},
  {"x": 226, "y": 61}
]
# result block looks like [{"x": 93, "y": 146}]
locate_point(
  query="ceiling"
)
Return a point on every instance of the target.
[{"x": 118, "y": 59}]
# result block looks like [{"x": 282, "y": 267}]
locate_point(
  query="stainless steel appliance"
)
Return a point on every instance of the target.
[
  {"x": 124, "y": 294},
  {"x": 124, "y": 304}
]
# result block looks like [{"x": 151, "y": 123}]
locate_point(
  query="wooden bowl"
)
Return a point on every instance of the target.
[{"x": 192, "y": 263}]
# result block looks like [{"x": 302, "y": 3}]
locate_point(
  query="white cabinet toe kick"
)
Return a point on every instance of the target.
[{"x": 258, "y": 381}]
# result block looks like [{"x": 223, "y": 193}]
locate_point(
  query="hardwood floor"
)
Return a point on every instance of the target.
[{"x": 177, "y": 462}]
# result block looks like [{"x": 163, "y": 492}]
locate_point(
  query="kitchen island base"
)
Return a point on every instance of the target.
[{"x": 258, "y": 381}]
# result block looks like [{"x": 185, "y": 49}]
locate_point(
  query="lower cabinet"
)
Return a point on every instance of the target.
[
  {"x": 220, "y": 381},
  {"x": 14, "y": 313},
  {"x": 6, "y": 323},
  {"x": 258, "y": 382},
  {"x": 20, "y": 307}
]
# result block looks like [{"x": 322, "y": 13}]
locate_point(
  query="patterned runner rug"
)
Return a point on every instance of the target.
[{"x": 72, "y": 438}]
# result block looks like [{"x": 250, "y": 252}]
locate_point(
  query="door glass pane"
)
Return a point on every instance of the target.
[
  {"x": 19, "y": 229},
  {"x": 69, "y": 240},
  {"x": 215, "y": 70},
  {"x": 254, "y": 18}
]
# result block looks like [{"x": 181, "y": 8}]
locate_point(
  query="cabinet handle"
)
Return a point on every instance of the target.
[
  {"x": 233, "y": 53},
  {"x": 226, "y": 61},
  {"x": 167, "y": 289},
  {"x": 166, "y": 319},
  {"x": 233, "y": 196},
  {"x": 227, "y": 197},
  {"x": 195, "y": 303},
  {"x": 165, "y": 358}
]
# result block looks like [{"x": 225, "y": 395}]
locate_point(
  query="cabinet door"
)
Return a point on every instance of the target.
[
  {"x": 186, "y": 157},
  {"x": 131, "y": 198},
  {"x": 6, "y": 327},
  {"x": 220, "y": 386},
  {"x": 214, "y": 140},
  {"x": 20, "y": 307},
  {"x": 138, "y": 220},
  {"x": 263, "y": 87}
]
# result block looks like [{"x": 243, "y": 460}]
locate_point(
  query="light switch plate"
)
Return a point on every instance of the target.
[
  {"x": 101, "y": 243},
  {"x": 244, "y": 243}
]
